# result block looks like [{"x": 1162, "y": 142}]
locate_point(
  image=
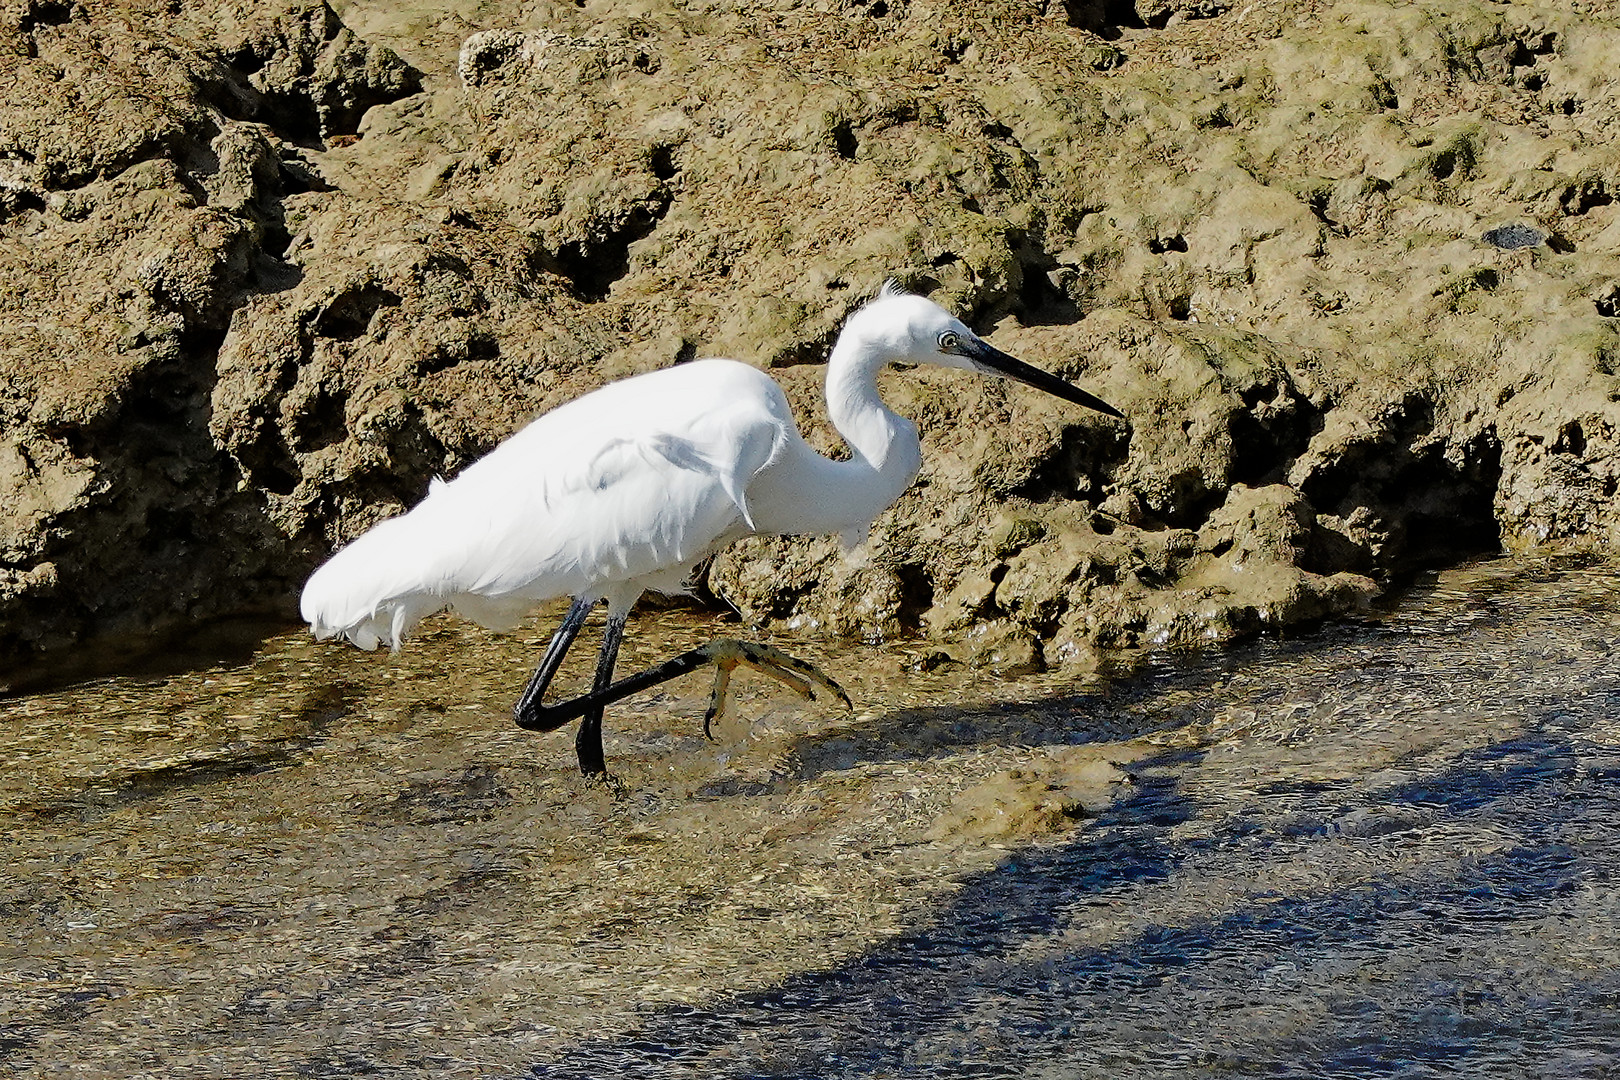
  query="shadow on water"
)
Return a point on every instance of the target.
[
  {"x": 1411, "y": 967},
  {"x": 1120, "y": 708},
  {"x": 954, "y": 998},
  {"x": 225, "y": 642},
  {"x": 307, "y": 722},
  {"x": 917, "y": 734},
  {"x": 1379, "y": 850},
  {"x": 1162, "y": 691},
  {"x": 864, "y": 1018}
]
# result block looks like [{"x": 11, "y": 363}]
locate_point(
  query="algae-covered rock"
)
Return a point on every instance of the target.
[
  {"x": 1050, "y": 795},
  {"x": 266, "y": 271}
]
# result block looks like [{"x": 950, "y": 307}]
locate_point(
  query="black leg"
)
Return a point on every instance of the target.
[
  {"x": 529, "y": 712},
  {"x": 588, "y": 742},
  {"x": 551, "y": 717},
  {"x": 533, "y": 714}
]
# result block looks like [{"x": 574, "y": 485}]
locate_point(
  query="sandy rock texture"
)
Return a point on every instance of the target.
[{"x": 1351, "y": 268}]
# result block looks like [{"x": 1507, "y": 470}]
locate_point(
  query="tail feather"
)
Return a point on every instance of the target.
[
  {"x": 441, "y": 554},
  {"x": 372, "y": 592}
]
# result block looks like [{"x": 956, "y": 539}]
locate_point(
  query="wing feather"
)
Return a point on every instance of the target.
[{"x": 631, "y": 484}]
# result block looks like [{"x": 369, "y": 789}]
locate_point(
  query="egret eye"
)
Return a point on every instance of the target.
[{"x": 949, "y": 342}]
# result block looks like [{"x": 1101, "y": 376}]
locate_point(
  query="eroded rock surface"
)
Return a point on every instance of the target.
[{"x": 1350, "y": 268}]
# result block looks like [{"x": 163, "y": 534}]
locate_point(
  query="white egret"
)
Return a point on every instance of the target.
[{"x": 629, "y": 487}]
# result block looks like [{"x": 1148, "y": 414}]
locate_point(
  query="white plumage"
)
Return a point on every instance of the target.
[
  {"x": 629, "y": 487},
  {"x": 603, "y": 496}
]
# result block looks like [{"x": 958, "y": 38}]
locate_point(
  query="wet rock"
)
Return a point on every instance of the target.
[
  {"x": 1553, "y": 493},
  {"x": 1052, "y": 795},
  {"x": 1266, "y": 524},
  {"x": 266, "y": 273},
  {"x": 151, "y": 215},
  {"x": 1003, "y": 647},
  {"x": 969, "y": 598},
  {"x": 810, "y": 588}
]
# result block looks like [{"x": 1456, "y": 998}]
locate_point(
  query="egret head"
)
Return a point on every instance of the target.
[{"x": 917, "y": 330}]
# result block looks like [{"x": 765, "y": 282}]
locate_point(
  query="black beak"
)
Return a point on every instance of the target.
[{"x": 993, "y": 359}]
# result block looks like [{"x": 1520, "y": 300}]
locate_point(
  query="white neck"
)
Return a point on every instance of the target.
[
  {"x": 887, "y": 452},
  {"x": 885, "y": 442},
  {"x": 846, "y": 496}
]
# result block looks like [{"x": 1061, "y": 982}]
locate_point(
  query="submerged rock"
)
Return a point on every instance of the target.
[{"x": 1050, "y": 795}]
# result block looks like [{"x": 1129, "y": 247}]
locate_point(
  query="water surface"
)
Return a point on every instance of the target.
[{"x": 1385, "y": 849}]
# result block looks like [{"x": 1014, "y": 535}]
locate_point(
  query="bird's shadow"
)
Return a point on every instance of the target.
[
  {"x": 922, "y": 733},
  {"x": 1155, "y": 692},
  {"x": 1168, "y": 692}
]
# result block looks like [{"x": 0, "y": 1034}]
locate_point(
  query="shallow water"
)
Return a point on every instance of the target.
[{"x": 1386, "y": 849}]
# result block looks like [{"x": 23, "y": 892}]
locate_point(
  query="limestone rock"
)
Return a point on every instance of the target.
[{"x": 265, "y": 271}]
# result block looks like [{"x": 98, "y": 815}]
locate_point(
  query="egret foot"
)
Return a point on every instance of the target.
[
  {"x": 608, "y": 782},
  {"x": 533, "y": 714},
  {"x": 797, "y": 675}
]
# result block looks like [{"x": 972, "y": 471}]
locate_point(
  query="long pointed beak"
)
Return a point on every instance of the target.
[{"x": 993, "y": 359}]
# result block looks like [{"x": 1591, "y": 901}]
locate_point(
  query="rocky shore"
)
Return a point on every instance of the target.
[{"x": 1351, "y": 268}]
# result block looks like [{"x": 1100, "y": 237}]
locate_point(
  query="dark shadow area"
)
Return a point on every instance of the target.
[
  {"x": 284, "y": 75},
  {"x": 170, "y": 542},
  {"x": 1275, "y": 428},
  {"x": 1393, "y": 985},
  {"x": 1040, "y": 301},
  {"x": 592, "y": 264},
  {"x": 308, "y": 722},
  {"x": 1124, "y": 710},
  {"x": 348, "y": 315},
  {"x": 1130, "y": 704},
  {"x": 225, "y": 642},
  {"x": 1108, "y": 19},
  {"x": 1433, "y": 936},
  {"x": 1427, "y": 502},
  {"x": 1087, "y": 458}
]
